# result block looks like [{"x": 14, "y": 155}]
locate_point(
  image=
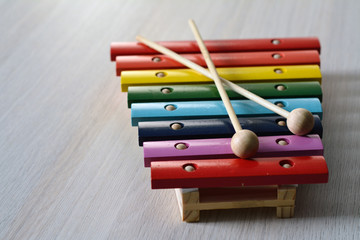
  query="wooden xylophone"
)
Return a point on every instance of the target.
[{"x": 185, "y": 131}]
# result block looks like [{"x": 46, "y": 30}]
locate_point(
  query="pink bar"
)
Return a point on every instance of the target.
[{"x": 310, "y": 145}]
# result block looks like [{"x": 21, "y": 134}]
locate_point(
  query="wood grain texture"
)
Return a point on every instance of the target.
[{"x": 70, "y": 167}]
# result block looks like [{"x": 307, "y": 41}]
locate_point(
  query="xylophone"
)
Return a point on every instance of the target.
[{"x": 186, "y": 133}]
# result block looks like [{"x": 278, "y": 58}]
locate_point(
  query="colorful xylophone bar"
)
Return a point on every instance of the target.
[
  {"x": 228, "y": 45},
  {"x": 215, "y": 109},
  {"x": 235, "y": 74},
  {"x": 185, "y": 130},
  {"x": 220, "y": 128},
  {"x": 199, "y": 92},
  {"x": 270, "y": 146},
  {"x": 231, "y": 59}
]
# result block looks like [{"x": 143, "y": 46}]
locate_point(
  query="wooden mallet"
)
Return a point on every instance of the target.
[{"x": 244, "y": 143}]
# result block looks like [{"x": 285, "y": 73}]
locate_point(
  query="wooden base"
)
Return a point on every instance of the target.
[{"x": 192, "y": 200}]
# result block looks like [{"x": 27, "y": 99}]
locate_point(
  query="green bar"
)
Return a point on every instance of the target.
[{"x": 195, "y": 92}]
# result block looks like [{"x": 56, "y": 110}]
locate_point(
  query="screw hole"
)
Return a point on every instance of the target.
[
  {"x": 170, "y": 107},
  {"x": 280, "y": 87},
  {"x": 282, "y": 141},
  {"x": 156, "y": 59},
  {"x": 189, "y": 167},
  {"x": 276, "y": 56},
  {"x": 281, "y": 122},
  {"x": 160, "y": 74},
  {"x": 166, "y": 90},
  {"x": 176, "y": 126},
  {"x": 278, "y": 70},
  {"x": 275, "y": 41},
  {"x": 181, "y": 146},
  {"x": 286, "y": 163},
  {"x": 280, "y": 104}
]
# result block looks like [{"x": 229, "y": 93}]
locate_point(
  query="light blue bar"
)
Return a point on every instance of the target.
[{"x": 155, "y": 111}]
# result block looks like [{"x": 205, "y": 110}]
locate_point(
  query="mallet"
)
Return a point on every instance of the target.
[{"x": 244, "y": 143}]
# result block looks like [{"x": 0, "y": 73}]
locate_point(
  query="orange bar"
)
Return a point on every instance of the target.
[{"x": 233, "y": 59}]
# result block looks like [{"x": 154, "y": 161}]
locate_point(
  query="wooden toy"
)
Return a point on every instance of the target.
[{"x": 185, "y": 129}]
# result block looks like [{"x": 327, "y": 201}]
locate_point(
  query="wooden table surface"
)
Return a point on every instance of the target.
[{"x": 70, "y": 166}]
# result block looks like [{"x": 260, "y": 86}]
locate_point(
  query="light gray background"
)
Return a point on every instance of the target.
[{"x": 70, "y": 166}]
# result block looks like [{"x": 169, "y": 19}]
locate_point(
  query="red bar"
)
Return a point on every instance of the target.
[
  {"x": 229, "y": 45},
  {"x": 239, "y": 172},
  {"x": 233, "y": 59}
]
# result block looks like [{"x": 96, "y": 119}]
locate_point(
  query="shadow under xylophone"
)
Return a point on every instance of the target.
[{"x": 185, "y": 131}]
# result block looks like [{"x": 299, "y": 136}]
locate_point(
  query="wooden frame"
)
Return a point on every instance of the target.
[{"x": 192, "y": 201}]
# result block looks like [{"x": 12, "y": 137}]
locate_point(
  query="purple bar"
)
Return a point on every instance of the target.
[{"x": 270, "y": 146}]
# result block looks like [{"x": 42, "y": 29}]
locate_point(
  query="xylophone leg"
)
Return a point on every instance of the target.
[
  {"x": 188, "y": 200},
  {"x": 192, "y": 200},
  {"x": 286, "y": 193}
]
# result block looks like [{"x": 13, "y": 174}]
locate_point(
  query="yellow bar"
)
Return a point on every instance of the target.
[{"x": 238, "y": 74}]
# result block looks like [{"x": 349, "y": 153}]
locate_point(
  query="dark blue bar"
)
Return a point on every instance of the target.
[{"x": 215, "y": 128}]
